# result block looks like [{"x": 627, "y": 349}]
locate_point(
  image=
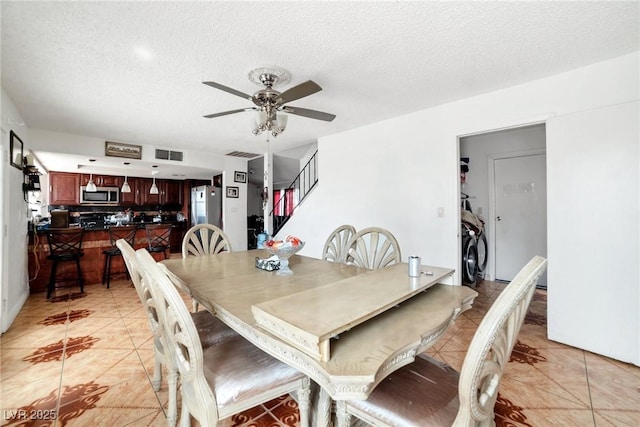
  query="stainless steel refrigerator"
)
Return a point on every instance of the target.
[{"x": 206, "y": 205}]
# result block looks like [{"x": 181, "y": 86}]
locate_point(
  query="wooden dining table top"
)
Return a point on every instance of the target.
[{"x": 372, "y": 322}]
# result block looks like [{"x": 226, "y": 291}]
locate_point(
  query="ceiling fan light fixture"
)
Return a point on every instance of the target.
[{"x": 282, "y": 121}]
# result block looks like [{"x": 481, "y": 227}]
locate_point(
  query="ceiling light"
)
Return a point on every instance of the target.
[
  {"x": 91, "y": 186},
  {"x": 154, "y": 187},
  {"x": 268, "y": 120},
  {"x": 126, "y": 188}
]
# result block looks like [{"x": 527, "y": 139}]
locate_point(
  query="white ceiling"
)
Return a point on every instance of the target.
[{"x": 133, "y": 71}]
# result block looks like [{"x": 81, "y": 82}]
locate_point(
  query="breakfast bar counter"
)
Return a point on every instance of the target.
[{"x": 95, "y": 241}]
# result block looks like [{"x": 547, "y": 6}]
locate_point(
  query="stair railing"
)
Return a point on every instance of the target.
[{"x": 294, "y": 194}]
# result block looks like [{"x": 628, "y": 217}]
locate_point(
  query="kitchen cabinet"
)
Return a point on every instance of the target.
[
  {"x": 146, "y": 198},
  {"x": 170, "y": 192},
  {"x": 102, "y": 180},
  {"x": 64, "y": 188},
  {"x": 132, "y": 198}
]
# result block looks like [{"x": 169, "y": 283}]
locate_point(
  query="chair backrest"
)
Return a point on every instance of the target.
[
  {"x": 126, "y": 232},
  {"x": 65, "y": 241},
  {"x": 145, "y": 295},
  {"x": 204, "y": 239},
  {"x": 130, "y": 260},
  {"x": 336, "y": 245},
  {"x": 491, "y": 347},
  {"x": 182, "y": 339},
  {"x": 372, "y": 248},
  {"x": 158, "y": 235}
]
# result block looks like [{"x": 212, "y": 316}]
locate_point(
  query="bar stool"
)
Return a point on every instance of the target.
[
  {"x": 158, "y": 236},
  {"x": 65, "y": 244},
  {"x": 126, "y": 232}
]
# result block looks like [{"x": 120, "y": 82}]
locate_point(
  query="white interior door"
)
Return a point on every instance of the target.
[{"x": 520, "y": 213}]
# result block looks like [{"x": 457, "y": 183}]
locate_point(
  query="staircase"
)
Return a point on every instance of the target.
[{"x": 287, "y": 200}]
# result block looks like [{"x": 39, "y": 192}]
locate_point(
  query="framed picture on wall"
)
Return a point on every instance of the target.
[
  {"x": 240, "y": 177},
  {"x": 16, "y": 148},
  {"x": 117, "y": 149},
  {"x": 232, "y": 192}
]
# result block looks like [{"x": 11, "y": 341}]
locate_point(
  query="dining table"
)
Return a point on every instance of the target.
[{"x": 346, "y": 327}]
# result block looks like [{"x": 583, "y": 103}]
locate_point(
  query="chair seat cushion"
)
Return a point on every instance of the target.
[
  {"x": 239, "y": 370},
  {"x": 211, "y": 330},
  {"x": 423, "y": 393}
]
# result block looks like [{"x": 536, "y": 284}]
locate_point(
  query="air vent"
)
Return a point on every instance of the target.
[
  {"x": 243, "y": 154},
  {"x": 169, "y": 155}
]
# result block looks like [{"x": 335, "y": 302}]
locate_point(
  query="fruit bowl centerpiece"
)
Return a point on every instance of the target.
[{"x": 283, "y": 249}]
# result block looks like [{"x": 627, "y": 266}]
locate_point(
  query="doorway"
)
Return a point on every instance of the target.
[{"x": 508, "y": 154}]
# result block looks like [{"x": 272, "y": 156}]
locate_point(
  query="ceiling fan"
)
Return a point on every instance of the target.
[{"x": 268, "y": 101}]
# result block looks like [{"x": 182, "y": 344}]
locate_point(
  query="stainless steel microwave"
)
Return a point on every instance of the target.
[{"x": 102, "y": 196}]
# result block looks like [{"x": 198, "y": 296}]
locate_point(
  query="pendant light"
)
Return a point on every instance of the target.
[
  {"x": 126, "y": 188},
  {"x": 154, "y": 187},
  {"x": 91, "y": 187}
]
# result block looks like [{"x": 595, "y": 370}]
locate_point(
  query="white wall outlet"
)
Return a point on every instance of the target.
[{"x": 440, "y": 212}]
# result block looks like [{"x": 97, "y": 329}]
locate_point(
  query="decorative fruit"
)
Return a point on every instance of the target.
[{"x": 293, "y": 240}]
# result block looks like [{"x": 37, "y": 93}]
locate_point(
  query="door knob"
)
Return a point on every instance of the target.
[{"x": 498, "y": 218}]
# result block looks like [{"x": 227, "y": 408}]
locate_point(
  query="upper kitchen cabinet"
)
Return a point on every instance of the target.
[
  {"x": 145, "y": 197},
  {"x": 133, "y": 197},
  {"x": 64, "y": 188},
  {"x": 170, "y": 192},
  {"x": 102, "y": 180}
]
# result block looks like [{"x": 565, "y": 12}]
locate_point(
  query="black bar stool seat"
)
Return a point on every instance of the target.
[
  {"x": 126, "y": 232},
  {"x": 65, "y": 245}
]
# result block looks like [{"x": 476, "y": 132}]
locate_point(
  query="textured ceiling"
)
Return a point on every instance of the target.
[{"x": 133, "y": 71}]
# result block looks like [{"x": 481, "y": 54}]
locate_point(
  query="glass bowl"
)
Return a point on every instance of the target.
[{"x": 283, "y": 252}]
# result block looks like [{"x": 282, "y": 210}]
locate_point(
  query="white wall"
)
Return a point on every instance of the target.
[
  {"x": 235, "y": 209},
  {"x": 593, "y": 178},
  {"x": 479, "y": 148},
  {"x": 15, "y": 283},
  {"x": 396, "y": 174},
  {"x": 58, "y": 142}
]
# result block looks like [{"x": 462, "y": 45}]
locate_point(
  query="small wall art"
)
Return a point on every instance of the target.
[
  {"x": 240, "y": 177},
  {"x": 16, "y": 153},
  {"x": 232, "y": 192},
  {"x": 117, "y": 149}
]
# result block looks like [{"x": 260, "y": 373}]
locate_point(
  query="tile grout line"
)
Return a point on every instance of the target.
[
  {"x": 64, "y": 353},
  {"x": 586, "y": 372},
  {"x": 135, "y": 347}
]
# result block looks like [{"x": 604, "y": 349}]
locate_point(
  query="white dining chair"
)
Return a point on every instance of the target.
[
  {"x": 372, "y": 248},
  {"x": 336, "y": 244},
  {"x": 427, "y": 392},
  {"x": 210, "y": 330},
  {"x": 224, "y": 379},
  {"x": 201, "y": 240},
  {"x": 204, "y": 239}
]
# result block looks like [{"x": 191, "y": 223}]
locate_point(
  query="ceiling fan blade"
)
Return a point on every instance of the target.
[
  {"x": 300, "y": 91},
  {"x": 228, "y": 89},
  {"x": 312, "y": 114},
  {"x": 226, "y": 113}
]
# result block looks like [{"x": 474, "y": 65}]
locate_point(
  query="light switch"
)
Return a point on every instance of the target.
[{"x": 440, "y": 212}]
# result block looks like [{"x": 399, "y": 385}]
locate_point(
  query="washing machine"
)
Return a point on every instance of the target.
[{"x": 469, "y": 266}]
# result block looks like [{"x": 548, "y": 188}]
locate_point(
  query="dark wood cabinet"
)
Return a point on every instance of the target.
[
  {"x": 102, "y": 180},
  {"x": 177, "y": 234},
  {"x": 64, "y": 188},
  {"x": 170, "y": 192},
  {"x": 132, "y": 198},
  {"x": 145, "y": 197}
]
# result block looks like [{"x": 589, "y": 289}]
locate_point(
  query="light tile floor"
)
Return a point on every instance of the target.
[{"x": 87, "y": 359}]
